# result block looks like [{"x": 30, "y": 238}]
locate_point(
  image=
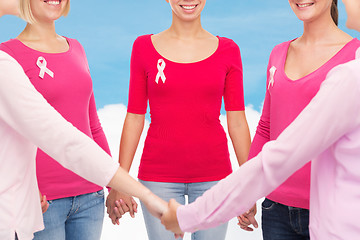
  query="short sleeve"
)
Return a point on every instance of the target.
[
  {"x": 138, "y": 80},
  {"x": 234, "y": 90}
]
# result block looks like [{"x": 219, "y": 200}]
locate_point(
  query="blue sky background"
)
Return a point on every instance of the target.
[{"x": 108, "y": 28}]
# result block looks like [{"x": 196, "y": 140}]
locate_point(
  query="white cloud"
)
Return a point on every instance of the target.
[{"x": 112, "y": 118}]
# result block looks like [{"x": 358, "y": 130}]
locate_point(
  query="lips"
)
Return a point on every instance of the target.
[
  {"x": 188, "y": 7},
  {"x": 303, "y": 5},
  {"x": 53, "y": 2}
]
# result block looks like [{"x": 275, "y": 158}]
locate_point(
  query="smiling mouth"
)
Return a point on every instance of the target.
[
  {"x": 53, "y": 2},
  {"x": 188, "y": 7},
  {"x": 304, "y": 5}
]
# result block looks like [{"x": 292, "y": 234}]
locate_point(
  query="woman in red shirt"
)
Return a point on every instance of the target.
[{"x": 184, "y": 72}]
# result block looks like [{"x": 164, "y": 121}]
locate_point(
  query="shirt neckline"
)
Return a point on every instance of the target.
[
  {"x": 316, "y": 70},
  {"x": 186, "y": 63},
  {"x": 39, "y": 52}
]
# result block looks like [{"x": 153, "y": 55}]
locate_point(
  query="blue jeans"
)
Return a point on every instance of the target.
[
  {"x": 74, "y": 218},
  {"x": 178, "y": 191},
  {"x": 281, "y": 222}
]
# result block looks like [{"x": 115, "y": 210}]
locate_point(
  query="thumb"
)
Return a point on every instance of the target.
[
  {"x": 171, "y": 202},
  {"x": 252, "y": 220}
]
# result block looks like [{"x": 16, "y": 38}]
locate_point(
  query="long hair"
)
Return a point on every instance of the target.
[{"x": 335, "y": 12}]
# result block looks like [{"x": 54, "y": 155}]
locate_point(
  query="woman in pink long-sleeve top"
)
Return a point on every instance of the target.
[
  {"x": 295, "y": 71},
  {"x": 327, "y": 131},
  {"x": 27, "y": 121},
  {"x": 58, "y": 69}
]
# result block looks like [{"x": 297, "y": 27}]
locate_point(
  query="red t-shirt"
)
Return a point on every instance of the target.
[{"x": 185, "y": 141}]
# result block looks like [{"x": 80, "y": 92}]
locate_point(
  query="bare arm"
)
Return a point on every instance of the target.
[
  {"x": 239, "y": 134},
  {"x": 118, "y": 203},
  {"x": 123, "y": 182},
  {"x": 130, "y": 137},
  {"x": 241, "y": 140}
]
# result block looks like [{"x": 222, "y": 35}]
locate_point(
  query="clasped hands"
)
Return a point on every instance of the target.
[{"x": 118, "y": 204}]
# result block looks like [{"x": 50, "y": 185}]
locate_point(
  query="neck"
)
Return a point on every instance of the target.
[
  {"x": 39, "y": 31},
  {"x": 319, "y": 30},
  {"x": 186, "y": 29}
]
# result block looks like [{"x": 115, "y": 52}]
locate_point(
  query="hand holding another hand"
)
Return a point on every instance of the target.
[
  {"x": 169, "y": 219},
  {"x": 248, "y": 218},
  {"x": 118, "y": 204},
  {"x": 155, "y": 205},
  {"x": 44, "y": 203}
]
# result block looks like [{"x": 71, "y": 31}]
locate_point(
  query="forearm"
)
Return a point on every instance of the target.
[
  {"x": 123, "y": 182},
  {"x": 239, "y": 134},
  {"x": 130, "y": 137}
]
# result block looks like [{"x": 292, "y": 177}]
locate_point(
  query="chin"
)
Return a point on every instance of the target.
[{"x": 355, "y": 25}]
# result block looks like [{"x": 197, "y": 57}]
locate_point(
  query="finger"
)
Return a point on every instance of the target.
[
  {"x": 123, "y": 206},
  {"x": 113, "y": 219},
  {"x": 135, "y": 205},
  {"x": 108, "y": 210},
  {"x": 107, "y": 204},
  {"x": 128, "y": 206},
  {"x": 44, "y": 204},
  {"x": 253, "y": 221},
  {"x": 43, "y": 200},
  {"x": 177, "y": 235},
  {"x": 244, "y": 220},
  {"x": 246, "y": 228},
  {"x": 119, "y": 212}
]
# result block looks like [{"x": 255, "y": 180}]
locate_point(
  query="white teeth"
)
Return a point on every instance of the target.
[
  {"x": 305, "y": 5},
  {"x": 53, "y": 2},
  {"x": 188, "y": 7}
]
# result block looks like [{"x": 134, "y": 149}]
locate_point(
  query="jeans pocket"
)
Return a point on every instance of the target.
[
  {"x": 99, "y": 193},
  {"x": 267, "y": 204}
]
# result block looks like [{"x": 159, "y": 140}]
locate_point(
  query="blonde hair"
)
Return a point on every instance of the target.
[{"x": 26, "y": 14}]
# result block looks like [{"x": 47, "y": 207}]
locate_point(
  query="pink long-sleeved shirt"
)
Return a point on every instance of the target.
[
  {"x": 327, "y": 131},
  {"x": 284, "y": 100},
  {"x": 69, "y": 90},
  {"x": 27, "y": 121}
]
